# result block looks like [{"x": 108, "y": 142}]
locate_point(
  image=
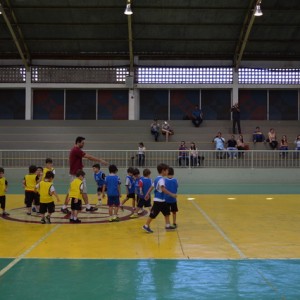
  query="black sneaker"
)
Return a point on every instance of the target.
[
  {"x": 71, "y": 220},
  {"x": 171, "y": 227},
  {"x": 76, "y": 221},
  {"x": 48, "y": 219},
  {"x": 5, "y": 214},
  {"x": 65, "y": 211},
  {"x": 91, "y": 209},
  {"x": 28, "y": 213},
  {"x": 175, "y": 225},
  {"x": 43, "y": 221}
]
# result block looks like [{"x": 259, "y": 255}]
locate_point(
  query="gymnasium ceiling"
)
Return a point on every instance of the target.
[{"x": 161, "y": 29}]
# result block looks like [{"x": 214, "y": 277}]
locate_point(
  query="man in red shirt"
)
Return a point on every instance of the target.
[{"x": 75, "y": 162}]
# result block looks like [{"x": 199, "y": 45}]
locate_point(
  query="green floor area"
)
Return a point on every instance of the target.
[
  {"x": 213, "y": 188},
  {"x": 151, "y": 279}
]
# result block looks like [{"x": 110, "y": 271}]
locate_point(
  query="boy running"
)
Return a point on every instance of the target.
[
  {"x": 99, "y": 177},
  {"x": 130, "y": 188}
]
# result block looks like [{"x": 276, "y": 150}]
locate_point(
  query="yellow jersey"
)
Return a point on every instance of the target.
[
  {"x": 45, "y": 170},
  {"x": 44, "y": 188},
  {"x": 76, "y": 187},
  {"x": 30, "y": 182},
  {"x": 3, "y": 185}
]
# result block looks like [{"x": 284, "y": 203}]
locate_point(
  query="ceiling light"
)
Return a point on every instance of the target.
[
  {"x": 128, "y": 10},
  {"x": 257, "y": 11}
]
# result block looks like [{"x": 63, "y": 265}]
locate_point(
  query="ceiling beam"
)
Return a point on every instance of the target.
[
  {"x": 16, "y": 33},
  {"x": 244, "y": 34}
]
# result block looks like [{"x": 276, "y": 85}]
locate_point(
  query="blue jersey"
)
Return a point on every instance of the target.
[
  {"x": 159, "y": 196},
  {"x": 145, "y": 184},
  {"x": 130, "y": 183},
  {"x": 112, "y": 183},
  {"x": 136, "y": 186},
  {"x": 99, "y": 178},
  {"x": 171, "y": 185}
]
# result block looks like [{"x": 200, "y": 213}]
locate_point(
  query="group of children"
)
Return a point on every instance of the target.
[{"x": 39, "y": 192}]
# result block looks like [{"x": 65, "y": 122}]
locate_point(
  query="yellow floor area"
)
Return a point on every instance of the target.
[{"x": 209, "y": 227}]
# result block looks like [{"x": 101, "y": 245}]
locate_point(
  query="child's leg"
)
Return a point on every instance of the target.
[
  {"x": 174, "y": 217},
  {"x": 75, "y": 214}
]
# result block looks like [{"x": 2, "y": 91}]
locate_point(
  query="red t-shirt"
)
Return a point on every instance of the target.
[{"x": 75, "y": 160}]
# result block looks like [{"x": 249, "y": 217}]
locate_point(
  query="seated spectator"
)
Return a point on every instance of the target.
[
  {"x": 219, "y": 144},
  {"x": 155, "y": 129},
  {"x": 241, "y": 146},
  {"x": 232, "y": 147},
  {"x": 197, "y": 116},
  {"x": 183, "y": 156},
  {"x": 272, "y": 139},
  {"x": 258, "y": 136},
  {"x": 284, "y": 146},
  {"x": 297, "y": 142},
  {"x": 167, "y": 130},
  {"x": 194, "y": 155}
]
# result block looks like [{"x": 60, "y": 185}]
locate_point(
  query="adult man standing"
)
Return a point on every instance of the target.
[
  {"x": 75, "y": 162},
  {"x": 197, "y": 116},
  {"x": 236, "y": 120}
]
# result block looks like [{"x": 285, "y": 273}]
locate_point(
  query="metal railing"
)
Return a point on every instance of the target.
[{"x": 126, "y": 158}]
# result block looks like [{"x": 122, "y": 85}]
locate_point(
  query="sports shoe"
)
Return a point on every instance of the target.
[
  {"x": 171, "y": 227},
  {"x": 5, "y": 214},
  {"x": 99, "y": 203},
  {"x": 76, "y": 221},
  {"x": 175, "y": 225},
  {"x": 48, "y": 219},
  {"x": 33, "y": 209},
  {"x": 91, "y": 209},
  {"x": 28, "y": 213},
  {"x": 148, "y": 229},
  {"x": 43, "y": 221},
  {"x": 116, "y": 219},
  {"x": 71, "y": 220},
  {"x": 133, "y": 216},
  {"x": 110, "y": 220},
  {"x": 65, "y": 211}
]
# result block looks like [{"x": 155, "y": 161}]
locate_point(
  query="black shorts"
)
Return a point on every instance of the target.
[
  {"x": 36, "y": 200},
  {"x": 29, "y": 198},
  {"x": 47, "y": 207},
  {"x": 144, "y": 203},
  {"x": 130, "y": 196},
  {"x": 173, "y": 206},
  {"x": 77, "y": 205},
  {"x": 99, "y": 189},
  {"x": 159, "y": 207},
  {"x": 2, "y": 201}
]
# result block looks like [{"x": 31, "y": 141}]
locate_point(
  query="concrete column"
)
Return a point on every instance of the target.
[
  {"x": 134, "y": 104},
  {"x": 235, "y": 87},
  {"x": 28, "y": 97}
]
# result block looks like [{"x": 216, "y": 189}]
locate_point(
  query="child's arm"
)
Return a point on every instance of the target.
[
  {"x": 55, "y": 195},
  {"x": 119, "y": 189},
  {"x": 103, "y": 191},
  {"x": 24, "y": 183},
  {"x": 141, "y": 187},
  {"x": 6, "y": 186},
  {"x": 164, "y": 190},
  {"x": 149, "y": 192}
]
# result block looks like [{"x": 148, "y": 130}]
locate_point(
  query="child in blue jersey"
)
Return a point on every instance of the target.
[
  {"x": 136, "y": 176},
  {"x": 172, "y": 186},
  {"x": 159, "y": 203},
  {"x": 99, "y": 177},
  {"x": 112, "y": 183},
  {"x": 144, "y": 184},
  {"x": 130, "y": 188}
]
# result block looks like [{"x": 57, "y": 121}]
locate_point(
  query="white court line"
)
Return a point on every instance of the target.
[
  {"x": 16, "y": 260},
  {"x": 220, "y": 231}
]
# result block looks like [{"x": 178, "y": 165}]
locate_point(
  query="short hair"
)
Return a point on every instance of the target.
[
  {"x": 79, "y": 139},
  {"x": 49, "y": 161},
  {"x": 146, "y": 172},
  {"x": 171, "y": 171},
  {"x": 80, "y": 173},
  {"x": 41, "y": 168},
  {"x": 112, "y": 169},
  {"x": 97, "y": 166},
  {"x": 1, "y": 170},
  {"x": 49, "y": 175},
  {"x": 161, "y": 167},
  {"x": 32, "y": 169},
  {"x": 130, "y": 170},
  {"x": 136, "y": 171}
]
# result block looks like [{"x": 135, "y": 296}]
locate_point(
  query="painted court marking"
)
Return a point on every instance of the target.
[{"x": 16, "y": 260}]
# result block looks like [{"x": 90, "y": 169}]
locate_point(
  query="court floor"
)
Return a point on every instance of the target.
[{"x": 225, "y": 247}]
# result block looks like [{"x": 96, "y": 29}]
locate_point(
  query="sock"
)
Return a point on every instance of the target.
[
  {"x": 168, "y": 225},
  {"x": 88, "y": 206}
]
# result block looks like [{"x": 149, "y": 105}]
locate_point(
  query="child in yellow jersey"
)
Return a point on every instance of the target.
[
  {"x": 36, "y": 201},
  {"x": 47, "y": 190},
  {"x": 48, "y": 167},
  {"x": 29, "y": 183},
  {"x": 75, "y": 194},
  {"x": 3, "y": 190}
]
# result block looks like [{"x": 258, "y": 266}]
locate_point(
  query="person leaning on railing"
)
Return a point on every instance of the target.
[
  {"x": 219, "y": 144},
  {"x": 284, "y": 146}
]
